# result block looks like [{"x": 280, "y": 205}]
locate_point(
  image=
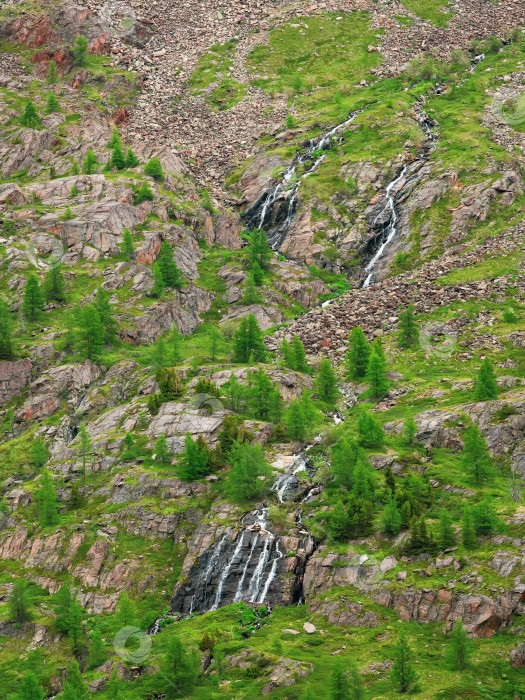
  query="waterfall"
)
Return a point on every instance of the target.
[
  {"x": 286, "y": 192},
  {"x": 206, "y": 575},
  {"x": 390, "y": 229}
]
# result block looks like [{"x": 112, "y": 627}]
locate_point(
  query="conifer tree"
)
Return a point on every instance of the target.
[
  {"x": 159, "y": 286},
  {"x": 251, "y": 295},
  {"x": 30, "y": 688},
  {"x": 118, "y": 159},
  {"x": 391, "y": 517},
  {"x": 176, "y": 344},
  {"x": 409, "y": 430},
  {"x": 485, "y": 518},
  {"x": 390, "y": 480},
  {"x": 170, "y": 383},
  {"x": 194, "y": 462},
  {"x": 74, "y": 687},
  {"x": 115, "y": 138},
  {"x": 6, "y": 343},
  {"x": 408, "y": 328},
  {"x": 285, "y": 352},
  {"x": 159, "y": 354},
  {"x": 47, "y": 501},
  {"x": 29, "y": 117},
  {"x": 89, "y": 165},
  {"x": 33, "y": 302},
  {"x": 91, "y": 333},
  {"x": 403, "y": 673},
  {"x": 39, "y": 453},
  {"x": 468, "y": 530},
  {"x": 181, "y": 669},
  {"x": 476, "y": 457},
  {"x": 340, "y": 688},
  {"x": 215, "y": 338},
  {"x": 97, "y": 651},
  {"x": 154, "y": 169},
  {"x": 249, "y": 478},
  {"x": 143, "y": 194},
  {"x": 298, "y": 355},
  {"x": 486, "y": 386},
  {"x": 363, "y": 479},
  {"x": 126, "y": 613},
  {"x": 162, "y": 451},
  {"x": 54, "y": 286},
  {"x": 75, "y": 631},
  {"x": 447, "y": 534},
  {"x": 459, "y": 648},
  {"x": 357, "y": 355},
  {"x": 105, "y": 312},
  {"x": 80, "y": 51},
  {"x": 62, "y": 604},
  {"x": 86, "y": 448},
  {"x": 131, "y": 159},
  {"x": 257, "y": 272},
  {"x": 345, "y": 454},
  {"x": 326, "y": 384},
  {"x": 376, "y": 374},
  {"x": 370, "y": 431},
  {"x": 259, "y": 250},
  {"x": 52, "y": 104},
  {"x": 295, "y": 421},
  {"x": 127, "y": 246},
  {"x": 52, "y": 73},
  {"x": 19, "y": 602},
  {"x": 75, "y": 167},
  {"x": 248, "y": 342},
  {"x": 171, "y": 274}
]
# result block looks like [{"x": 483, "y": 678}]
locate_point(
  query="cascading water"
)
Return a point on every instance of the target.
[
  {"x": 390, "y": 228},
  {"x": 275, "y": 210}
]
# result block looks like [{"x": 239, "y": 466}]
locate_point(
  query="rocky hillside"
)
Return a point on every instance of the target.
[{"x": 262, "y": 349}]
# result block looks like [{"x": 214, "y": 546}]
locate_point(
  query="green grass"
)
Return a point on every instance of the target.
[
  {"x": 432, "y": 10},
  {"x": 226, "y": 95},
  {"x": 488, "y": 269},
  {"x": 213, "y": 66}
]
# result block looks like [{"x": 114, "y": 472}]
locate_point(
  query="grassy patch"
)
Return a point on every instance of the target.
[
  {"x": 226, "y": 95},
  {"x": 432, "y": 10},
  {"x": 213, "y": 66},
  {"x": 488, "y": 269}
]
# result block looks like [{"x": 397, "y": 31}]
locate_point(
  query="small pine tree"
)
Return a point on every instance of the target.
[
  {"x": 251, "y": 295},
  {"x": 259, "y": 250},
  {"x": 131, "y": 159},
  {"x": 97, "y": 652},
  {"x": 154, "y": 169},
  {"x": 403, "y": 673},
  {"x": 447, "y": 534},
  {"x": 29, "y": 117},
  {"x": 115, "y": 138},
  {"x": 468, "y": 530},
  {"x": 391, "y": 518},
  {"x": 127, "y": 246},
  {"x": 75, "y": 167},
  {"x": 171, "y": 274},
  {"x": 257, "y": 272},
  {"x": 357, "y": 355},
  {"x": 249, "y": 478},
  {"x": 162, "y": 451},
  {"x": 194, "y": 463},
  {"x": 408, "y": 328},
  {"x": 105, "y": 311},
  {"x": 33, "y": 302},
  {"x": 67, "y": 215},
  {"x": 80, "y": 51},
  {"x": 74, "y": 687},
  {"x": 298, "y": 355},
  {"x": 290, "y": 121},
  {"x": 52, "y": 73},
  {"x": 376, "y": 374},
  {"x": 85, "y": 448},
  {"x": 143, "y": 194},
  {"x": 248, "y": 342},
  {"x": 295, "y": 421},
  {"x": 486, "y": 386},
  {"x": 19, "y": 602},
  {"x": 39, "y": 453},
  {"x": 215, "y": 338},
  {"x": 92, "y": 334},
  {"x": 73, "y": 192},
  {"x": 6, "y": 343},
  {"x": 118, "y": 160},
  {"x": 170, "y": 383},
  {"x": 75, "y": 630},
  {"x": 409, "y": 431},
  {"x": 52, "y": 104},
  {"x": 476, "y": 457},
  {"x": 370, "y": 431},
  {"x": 326, "y": 384},
  {"x": 159, "y": 286},
  {"x": 459, "y": 648},
  {"x": 89, "y": 165},
  {"x": 176, "y": 344},
  {"x": 47, "y": 501},
  {"x": 485, "y": 518},
  {"x": 54, "y": 286},
  {"x": 126, "y": 613},
  {"x": 30, "y": 688}
]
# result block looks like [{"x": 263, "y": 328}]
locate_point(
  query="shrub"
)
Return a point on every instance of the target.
[
  {"x": 29, "y": 117},
  {"x": 143, "y": 194},
  {"x": 154, "y": 169}
]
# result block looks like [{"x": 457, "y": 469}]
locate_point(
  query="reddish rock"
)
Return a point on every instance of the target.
[{"x": 120, "y": 116}]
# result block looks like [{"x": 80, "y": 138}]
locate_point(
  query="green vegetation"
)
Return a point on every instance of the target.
[{"x": 432, "y": 10}]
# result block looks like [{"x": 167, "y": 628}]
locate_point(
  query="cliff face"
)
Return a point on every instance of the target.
[{"x": 198, "y": 204}]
